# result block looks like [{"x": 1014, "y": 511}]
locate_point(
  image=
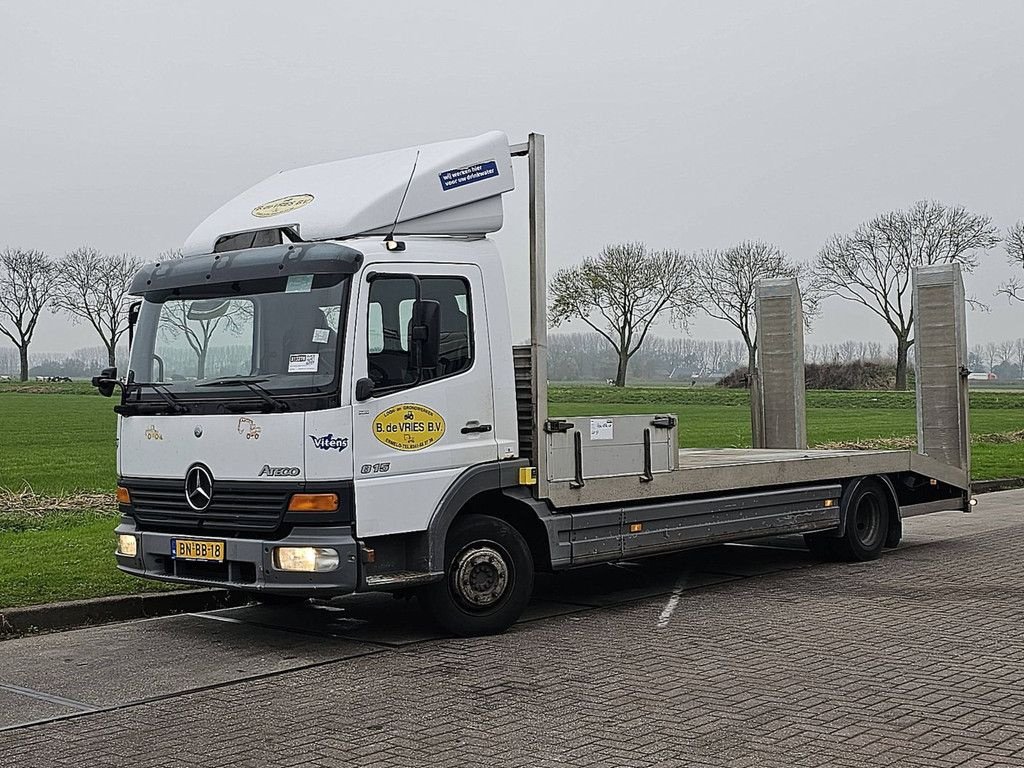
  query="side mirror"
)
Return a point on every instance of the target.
[
  {"x": 425, "y": 332},
  {"x": 133, "y": 318},
  {"x": 364, "y": 389},
  {"x": 106, "y": 381}
]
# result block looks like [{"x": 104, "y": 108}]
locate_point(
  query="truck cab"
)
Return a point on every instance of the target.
[{"x": 295, "y": 411}]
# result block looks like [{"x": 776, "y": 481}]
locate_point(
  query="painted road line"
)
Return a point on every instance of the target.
[
  {"x": 47, "y": 697},
  {"x": 673, "y": 601},
  {"x": 215, "y": 617}
]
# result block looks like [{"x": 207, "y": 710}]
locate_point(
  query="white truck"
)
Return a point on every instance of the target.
[{"x": 323, "y": 397}]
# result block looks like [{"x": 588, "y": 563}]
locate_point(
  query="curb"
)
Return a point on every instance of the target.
[
  {"x": 1002, "y": 484},
  {"x": 73, "y": 614}
]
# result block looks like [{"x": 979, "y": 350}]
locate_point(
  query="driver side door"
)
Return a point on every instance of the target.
[{"x": 420, "y": 428}]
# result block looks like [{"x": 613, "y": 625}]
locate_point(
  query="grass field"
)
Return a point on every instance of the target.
[
  {"x": 61, "y": 557},
  {"x": 57, "y": 444},
  {"x": 58, "y": 439}
]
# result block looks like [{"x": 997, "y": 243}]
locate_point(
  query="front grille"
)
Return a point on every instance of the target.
[{"x": 235, "y": 506}]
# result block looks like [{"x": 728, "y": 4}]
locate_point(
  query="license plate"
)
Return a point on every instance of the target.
[{"x": 192, "y": 549}]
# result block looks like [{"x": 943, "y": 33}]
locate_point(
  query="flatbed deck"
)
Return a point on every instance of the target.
[{"x": 739, "y": 469}]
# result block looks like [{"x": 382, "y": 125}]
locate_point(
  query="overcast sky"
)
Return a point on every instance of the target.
[{"x": 688, "y": 125}]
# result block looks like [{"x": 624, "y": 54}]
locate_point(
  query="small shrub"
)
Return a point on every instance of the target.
[{"x": 859, "y": 374}]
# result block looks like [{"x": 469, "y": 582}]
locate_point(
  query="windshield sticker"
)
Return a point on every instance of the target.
[
  {"x": 459, "y": 177},
  {"x": 321, "y": 335},
  {"x": 299, "y": 284},
  {"x": 249, "y": 428},
  {"x": 329, "y": 442},
  {"x": 308, "y": 363},
  {"x": 281, "y": 205},
  {"x": 153, "y": 434},
  {"x": 408, "y": 427}
]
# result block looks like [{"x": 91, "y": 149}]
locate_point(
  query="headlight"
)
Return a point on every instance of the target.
[
  {"x": 127, "y": 545},
  {"x": 306, "y": 558}
]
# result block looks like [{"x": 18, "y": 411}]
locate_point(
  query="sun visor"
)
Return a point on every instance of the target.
[{"x": 456, "y": 189}]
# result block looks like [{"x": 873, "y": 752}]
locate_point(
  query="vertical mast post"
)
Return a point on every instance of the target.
[{"x": 538, "y": 310}]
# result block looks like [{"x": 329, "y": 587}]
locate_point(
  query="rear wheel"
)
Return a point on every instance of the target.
[
  {"x": 867, "y": 523},
  {"x": 488, "y": 577}
]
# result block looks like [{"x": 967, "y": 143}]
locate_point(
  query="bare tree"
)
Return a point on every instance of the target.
[
  {"x": 93, "y": 288},
  {"x": 26, "y": 286},
  {"x": 872, "y": 265},
  {"x": 621, "y": 292},
  {"x": 1018, "y": 351},
  {"x": 179, "y": 319},
  {"x": 726, "y": 282},
  {"x": 1013, "y": 288},
  {"x": 1004, "y": 350},
  {"x": 8, "y": 361},
  {"x": 992, "y": 356}
]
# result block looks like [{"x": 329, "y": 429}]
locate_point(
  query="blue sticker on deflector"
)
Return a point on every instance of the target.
[{"x": 458, "y": 177}]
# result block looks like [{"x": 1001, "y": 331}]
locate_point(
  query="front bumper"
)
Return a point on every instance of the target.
[{"x": 248, "y": 563}]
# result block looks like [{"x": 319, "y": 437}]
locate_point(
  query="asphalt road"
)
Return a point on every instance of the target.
[{"x": 738, "y": 656}]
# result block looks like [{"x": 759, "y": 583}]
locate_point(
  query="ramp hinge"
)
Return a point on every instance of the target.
[{"x": 665, "y": 422}]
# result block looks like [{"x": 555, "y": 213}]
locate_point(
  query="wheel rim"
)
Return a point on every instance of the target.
[
  {"x": 481, "y": 576},
  {"x": 868, "y": 521}
]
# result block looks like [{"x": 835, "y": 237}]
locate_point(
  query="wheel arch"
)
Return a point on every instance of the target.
[
  {"x": 488, "y": 489},
  {"x": 850, "y": 488}
]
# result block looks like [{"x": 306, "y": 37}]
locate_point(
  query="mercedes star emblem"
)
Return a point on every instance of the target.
[
  {"x": 198, "y": 431},
  {"x": 198, "y": 487}
]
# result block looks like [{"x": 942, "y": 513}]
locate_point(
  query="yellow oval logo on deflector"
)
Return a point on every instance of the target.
[
  {"x": 408, "y": 427},
  {"x": 281, "y": 205}
]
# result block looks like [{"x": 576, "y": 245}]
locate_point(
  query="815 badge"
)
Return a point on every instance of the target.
[{"x": 372, "y": 469}]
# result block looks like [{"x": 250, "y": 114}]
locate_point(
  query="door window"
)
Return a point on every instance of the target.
[{"x": 390, "y": 362}]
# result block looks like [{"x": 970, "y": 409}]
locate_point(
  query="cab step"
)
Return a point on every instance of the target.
[{"x": 401, "y": 579}]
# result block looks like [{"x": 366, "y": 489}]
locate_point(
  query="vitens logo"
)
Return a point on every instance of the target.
[
  {"x": 269, "y": 471},
  {"x": 329, "y": 442}
]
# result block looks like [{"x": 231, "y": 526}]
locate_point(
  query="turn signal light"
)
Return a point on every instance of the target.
[
  {"x": 313, "y": 502},
  {"x": 123, "y": 497}
]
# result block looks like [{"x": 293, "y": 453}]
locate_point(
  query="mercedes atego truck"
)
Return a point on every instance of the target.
[{"x": 323, "y": 397}]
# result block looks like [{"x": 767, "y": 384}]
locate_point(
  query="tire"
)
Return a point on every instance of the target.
[
  {"x": 867, "y": 512},
  {"x": 488, "y": 578}
]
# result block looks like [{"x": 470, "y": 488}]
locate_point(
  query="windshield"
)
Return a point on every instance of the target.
[{"x": 215, "y": 340}]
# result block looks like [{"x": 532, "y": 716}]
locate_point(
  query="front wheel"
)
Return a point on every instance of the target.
[{"x": 488, "y": 578}]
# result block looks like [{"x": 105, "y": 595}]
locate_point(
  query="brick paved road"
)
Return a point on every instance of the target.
[{"x": 759, "y": 658}]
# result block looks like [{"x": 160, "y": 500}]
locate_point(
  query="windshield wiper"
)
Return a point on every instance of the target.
[
  {"x": 132, "y": 386},
  {"x": 253, "y": 384}
]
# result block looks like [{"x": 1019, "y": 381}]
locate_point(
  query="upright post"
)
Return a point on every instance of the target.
[
  {"x": 538, "y": 310},
  {"x": 780, "y": 366},
  {"x": 940, "y": 344}
]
